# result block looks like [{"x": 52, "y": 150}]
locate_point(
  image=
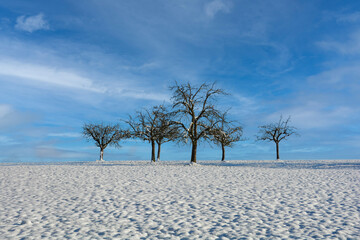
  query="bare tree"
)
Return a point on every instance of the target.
[
  {"x": 276, "y": 132},
  {"x": 155, "y": 126},
  {"x": 195, "y": 111},
  {"x": 143, "y": 126},
  {"x": 226, "y": 133},
  {"x": 166, "y": 130},
  {"x": 104, "y": 135}
]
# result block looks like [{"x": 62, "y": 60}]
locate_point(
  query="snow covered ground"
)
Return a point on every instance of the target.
[{"x": 171, "y": 200}]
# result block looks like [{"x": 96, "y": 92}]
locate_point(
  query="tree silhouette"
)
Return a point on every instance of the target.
[
  {"x": 143, "y": 126},
  {"x": 276, "y": 132},
  {"x": 225, "y": 133},
  {"x": 153, "y": 125},
  {"x": 103, "y": 135},
  {"x": 166, "y": 130},
  {"x": 195, "y": 111}
]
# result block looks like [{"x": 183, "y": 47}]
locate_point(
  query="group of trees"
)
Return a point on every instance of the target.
[
  {"x": 193, "y": 117},
  {"x": 155, "y": 126}
]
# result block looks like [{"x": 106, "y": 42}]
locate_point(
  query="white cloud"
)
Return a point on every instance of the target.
[
  {"x": 350, "y": 18},
  {"x": 4, "y": 140},
  {"x": 65, "y": 134},
  {"x": 326, "y": 100},
  {"x": 47, "y": 74},
  {"x": 244, "y": 105},
  {"x": 247, "y": 101},
  {"x": 143, "y": 67},
  {"x": 349, "y": 47},
  {"x": 308, "y": 150},
  {"x": 314, "y": 115},
  {"x": 340, "y": 77},
  {"x": 353, "y": 141},
  {"x": 5, "y": 110},
  {"x": 9, "y": 117},
  {"x": 32, "y": 23},
  {"x": 50, "y": 151},
  {"x": 216, "y": 6},
  {"x": 140, "y": 94},
  {"x": 34, "y": 73}
]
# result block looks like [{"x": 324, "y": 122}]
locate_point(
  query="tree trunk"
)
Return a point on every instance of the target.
[
  {"x": 193, "y": 152},
  {"x": 277, "y": 151},
  {"x": 158, "y": 153},
  {"x": 101, "y": 154},
  {"x": 152, "y": 150},
  {"x": 223, "y": 153}
]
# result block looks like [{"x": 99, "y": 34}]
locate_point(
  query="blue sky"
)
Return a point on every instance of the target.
[{"x": 63, "y": 63}]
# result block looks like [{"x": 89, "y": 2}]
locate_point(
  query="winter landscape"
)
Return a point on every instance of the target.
[
  {"x": 183, "y": 119},
  {"x": 175, "y": 200}
]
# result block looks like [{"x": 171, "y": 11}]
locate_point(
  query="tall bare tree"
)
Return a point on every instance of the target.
[
  {"x": 276, "y": 132},
  {"x": 226, "y": 133},
  {"x": 195, "y": 111},
  {"x": 104, "y": 135}
]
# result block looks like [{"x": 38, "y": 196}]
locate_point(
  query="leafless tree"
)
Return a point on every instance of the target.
[
  {"x": 195, "y": 111},
  {"x": 276, "y": 132},
  {"x": 153, "y": 125},
  {"x": 226, "y": 133},
  {"x": 166, "y": 130},
  {"x": 104, "y": 135},
  {"x": 143, "y": 127}
]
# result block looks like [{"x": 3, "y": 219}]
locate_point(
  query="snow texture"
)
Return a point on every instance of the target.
[{"x": 175, "y": 200}]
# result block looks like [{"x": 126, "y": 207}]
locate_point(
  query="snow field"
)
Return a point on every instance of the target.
[{"x": 170, "y": 200}]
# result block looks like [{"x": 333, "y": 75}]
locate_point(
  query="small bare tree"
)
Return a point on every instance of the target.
[
  {"x": 103, "y": 135},
  {"x": 226, "y": 133},
  {"x": 276, "y": 132},
  {"x": 166, "y": 130},
  {"x": 155, "y": 126},
  {"x": 195, "y": 111},
  {"x": 143, "y": 127}
]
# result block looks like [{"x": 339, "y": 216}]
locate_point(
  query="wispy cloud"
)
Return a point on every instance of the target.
[
  {"x": 33, "y": 73},
  {"x": 347, "y": 47},
  {"x": 353, "y": 141},
  {"x": 65, "y": 134},
  {"x": 47, "y": 74},
  {"x": 52, "y": 152},
  {"x": 31, "y": 23},
  {"x": 142, "y": 94},
  {"x": 216, "y": 6},
  {"x": 346, "y": 76},
  {"x": 81, "y": 68},
  {"x": 308, "y": 150},
  {"x": 5, "y": 110},
  {"x": 142, "y": 67},
  {"x": 349, "y": 18},
  {"x": 9, "y": 117},
  {"x": 314, "y": 116},
  {"x": 261, "y": 51},
  {"x": 5, "y": 140},
  {"x": 244, "y": 106}
]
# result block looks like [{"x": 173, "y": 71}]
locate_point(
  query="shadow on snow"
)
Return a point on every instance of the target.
[{"x": 305, "y": 164}]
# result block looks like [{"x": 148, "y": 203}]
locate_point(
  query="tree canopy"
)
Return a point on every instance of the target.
[{"x": 195, "y": 111}]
